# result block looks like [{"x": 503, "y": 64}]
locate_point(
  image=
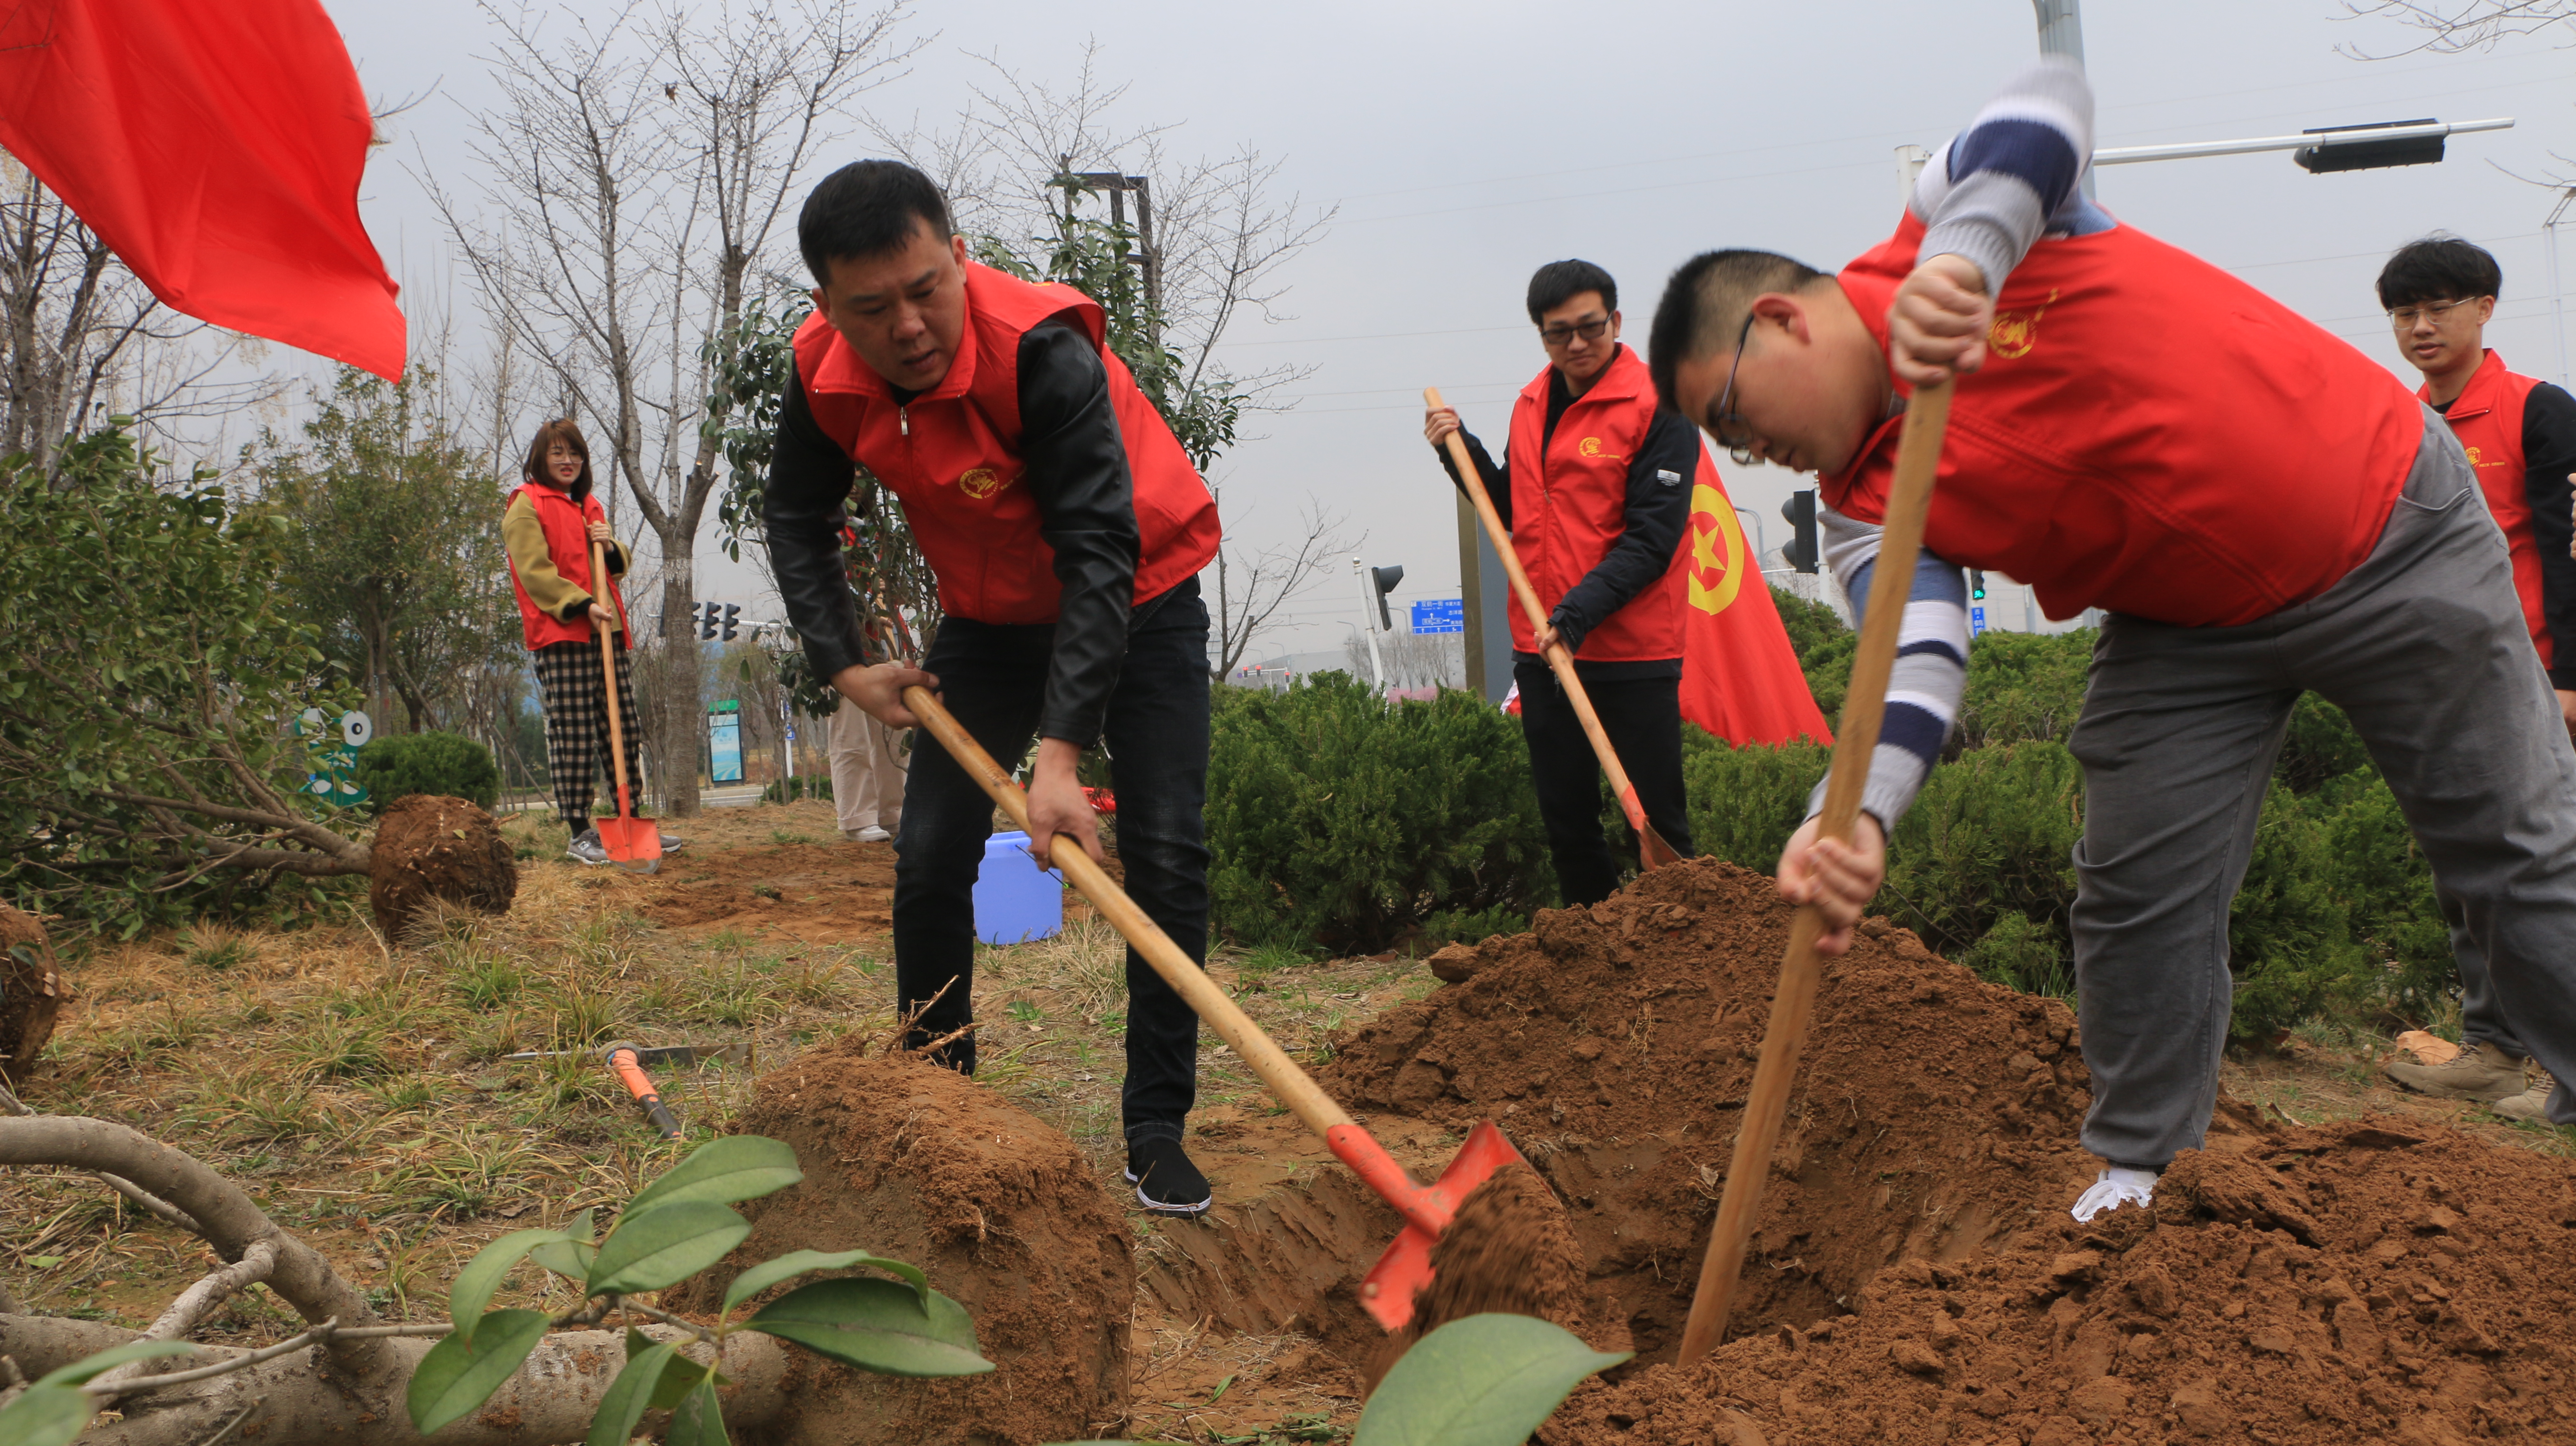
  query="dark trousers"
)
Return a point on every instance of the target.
[
  {"x": 1643, "y": 718},
  {"x": 994, "y": 678}
]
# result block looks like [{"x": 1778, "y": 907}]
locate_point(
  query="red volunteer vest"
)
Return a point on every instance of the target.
[
  {"x": 952, "y": 455},
  {"x": 565, "y": 526},
  {"x": 2149, "y": 435},
  {"x": 2487, "y": 418},
  {"x": 1569, "y": 508}
]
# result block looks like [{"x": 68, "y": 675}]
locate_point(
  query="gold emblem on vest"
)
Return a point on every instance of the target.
[
  {"x": 2475, "y": 462},
  {"x": 980, "y": 483},
  {"x": 1591, "y": 447},
  {"x": 2014, "y": 334}
]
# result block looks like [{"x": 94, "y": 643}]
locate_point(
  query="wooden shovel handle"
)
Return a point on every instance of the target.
[
  {"x": 1557, "y": 657},
  {"x": 1278, "y": 1072},
  {"x": 608, "y": 675},
  {"x": 1918, "y": 459}
]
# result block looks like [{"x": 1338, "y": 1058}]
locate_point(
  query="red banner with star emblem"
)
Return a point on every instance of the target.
[{"x": 1740, "y": 677}]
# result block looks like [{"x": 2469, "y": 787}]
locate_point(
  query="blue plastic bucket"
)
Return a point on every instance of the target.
[{"x": 1015, "y": 900}]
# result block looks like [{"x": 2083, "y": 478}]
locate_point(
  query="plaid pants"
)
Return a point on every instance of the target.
[{"x": 568, "y": 676}]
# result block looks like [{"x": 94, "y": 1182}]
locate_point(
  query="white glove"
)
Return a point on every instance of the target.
[{"x": 2118, "y": 1185}]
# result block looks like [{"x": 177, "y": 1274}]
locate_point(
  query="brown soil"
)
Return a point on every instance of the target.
[
  {"x": 811, "y": 893},
  {"x": 429, "y": 847},
  {"x": 919, "y": 1164},
  {"x": 1508, "y": 1249},
  {"x": 31, "y": 993}
]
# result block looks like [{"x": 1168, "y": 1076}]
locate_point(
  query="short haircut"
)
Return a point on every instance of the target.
[
  {"x": 866, "y": 208},
  {"x": 1559, "y": 282},
  {"x": 2438, "y": 268},
  {"x": 1705, "y": 304},
  {"x": 561, "y": 429}
]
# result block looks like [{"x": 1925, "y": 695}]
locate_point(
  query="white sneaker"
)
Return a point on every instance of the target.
[
  {"x": 2117, "y": 1186},
  {"x": 872, "y": 834}
]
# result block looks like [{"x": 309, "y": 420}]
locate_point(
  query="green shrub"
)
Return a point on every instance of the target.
[
  {"x": 398, "y": 764},
  {"x": 1993, "y": 834},
  {"x": 1745, "y": 802},
  {"x": 2023, "y": 685},
  {"x": 2321, "y": 747},
  {"x": 2288, "y": 933},
  {"x": 2385, "y": 889},
  {"x": 803, "y": 785},
  {"x": 1340, "y": 819},
  {"x": 1823, "y": 645}
]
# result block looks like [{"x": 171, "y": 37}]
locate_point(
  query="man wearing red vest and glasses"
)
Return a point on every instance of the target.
[
  {"x": 2260, "y": 509},
  {"x": 1067, "y": 529},
  {"x": 1595, "y": 493},
  {"x": 2520, "y": 436}
]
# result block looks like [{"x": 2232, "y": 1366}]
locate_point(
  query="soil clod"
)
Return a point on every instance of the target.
[
  {"x": 432, "y": 848},
  {"x": 31, "y": 994}
]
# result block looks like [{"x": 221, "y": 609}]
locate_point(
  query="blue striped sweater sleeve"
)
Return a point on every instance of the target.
[
  {"x": 2014, "y": 174},
  {"x": 1931, "y": 670}
]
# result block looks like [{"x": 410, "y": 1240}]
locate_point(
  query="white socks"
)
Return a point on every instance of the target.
[{"x": 2118, "y": 1185}]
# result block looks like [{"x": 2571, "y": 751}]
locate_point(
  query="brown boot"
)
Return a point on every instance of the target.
[
  {"x": 2532, "y": 1104},
  {"x": 2484, "y": 1073}
]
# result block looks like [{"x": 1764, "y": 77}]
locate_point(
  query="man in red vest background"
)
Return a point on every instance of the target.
[
  {"x": 2261, "y": 510},
  {"x": 1596, "y": 492},
  {"x": 1066, "y": 528},
  {"x": 2520, "y": 436}
]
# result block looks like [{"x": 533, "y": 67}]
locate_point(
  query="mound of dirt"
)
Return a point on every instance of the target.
[
  {"x": 427, "y": 847},
  {"x": 1934, "y": 1114},
  {"x": 920, "y": 1164},
  {"x": 31, "y": 993},
  {"x": 2370, "y": 1281}
]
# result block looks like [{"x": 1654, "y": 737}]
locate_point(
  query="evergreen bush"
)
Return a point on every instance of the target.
[
  {"x": 1745, "y": 802},
  {"x": 1340, "y": 819},
  {"x": 395, "y": 765}
]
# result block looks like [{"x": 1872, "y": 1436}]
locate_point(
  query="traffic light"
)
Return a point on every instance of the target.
[
  {"x": 704, "y": 615},
  {"x": 731, "y": 612},
  {"x": 1800, "y": 513},
  {"x": 2368, "y": 155},
  {"x": 1976, "y": 584},
  {"x": 1386, "y": 578}
]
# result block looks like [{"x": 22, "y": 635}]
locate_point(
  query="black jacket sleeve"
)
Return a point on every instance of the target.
[
  {"x": 2549, "y": 454},
  {"x": 800, "y": 514},
  {"x": 1497, "y": 480},
  {"x": 1659, "y": 491},
  {"x": 1086, "y": 499}
]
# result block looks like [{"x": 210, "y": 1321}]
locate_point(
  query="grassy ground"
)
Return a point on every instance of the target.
[{"x": 359, "y": 1091}]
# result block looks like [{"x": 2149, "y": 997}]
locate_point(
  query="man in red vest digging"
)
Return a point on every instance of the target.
[
  {"x": 1595, "y": 492},
  {"x": 1067, "y": 529},
  {"x": 2261, "y": 510},
  {"x": 2520, "y": 436}
]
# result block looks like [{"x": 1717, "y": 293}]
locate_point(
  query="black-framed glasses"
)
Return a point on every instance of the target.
[
  {"x": 1557, "y": 336},
  {"x": 1729, "y": 427},
  {"x": 2409, "y": 315}
]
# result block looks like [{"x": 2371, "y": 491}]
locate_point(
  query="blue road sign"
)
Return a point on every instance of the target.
[
  {"x": 1440, "y": 615},
  {"x": 1976, "y": 621}
]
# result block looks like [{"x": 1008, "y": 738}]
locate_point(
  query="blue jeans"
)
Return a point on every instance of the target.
[{"x": 993, "y": 678}]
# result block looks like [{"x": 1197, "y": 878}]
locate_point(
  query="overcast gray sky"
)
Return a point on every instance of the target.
[{"x": 1468, "y": 143}]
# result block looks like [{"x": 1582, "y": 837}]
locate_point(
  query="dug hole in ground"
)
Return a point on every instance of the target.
[{"x": 1914, "y": 1279}]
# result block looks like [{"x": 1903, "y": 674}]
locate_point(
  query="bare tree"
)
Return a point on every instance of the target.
[
  {"x": 1253, "y": 584},
  {"x": 2452, "y": 26}
]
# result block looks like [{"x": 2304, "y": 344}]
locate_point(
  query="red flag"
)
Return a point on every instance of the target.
[
  {"x": 1740, "y": 678},
  {"x": 216, "y": 147}
]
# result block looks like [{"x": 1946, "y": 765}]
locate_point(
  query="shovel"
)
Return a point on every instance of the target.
[
  {"x": 1918, "y": 458},
  {"x": 1652, "y": 851},
  {"x": 1405, "y": 1268},
  {"x": 633, "y": 844}
]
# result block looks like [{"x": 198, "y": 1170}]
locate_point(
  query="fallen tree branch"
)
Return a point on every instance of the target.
[
  {"x": 257, "y": 1263},
  {"x": 227, "y": 1217},
  {"x": 12, "y": 1105}
]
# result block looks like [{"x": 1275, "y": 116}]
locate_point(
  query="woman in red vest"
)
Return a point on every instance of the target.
[
  {"x": 2260, "y": 509},
  {"x": 1066, "y": 528},
  {"x": 547, "y": 529},
  {"x": 2520, "y": 436}
]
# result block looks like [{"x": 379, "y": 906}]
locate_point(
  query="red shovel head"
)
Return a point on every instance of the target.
[
  {"x": 633, "y": 844},
  {"x": 1405, "y": 1268}
]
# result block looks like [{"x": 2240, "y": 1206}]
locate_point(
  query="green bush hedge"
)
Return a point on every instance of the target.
[
  {"x": 398, "y": 764},
  {"x": 803, "y": 785},
  {"x": 1340, "y": 820}
]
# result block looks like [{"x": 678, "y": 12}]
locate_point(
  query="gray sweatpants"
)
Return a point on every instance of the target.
[{"x": 2425, "y": 647}]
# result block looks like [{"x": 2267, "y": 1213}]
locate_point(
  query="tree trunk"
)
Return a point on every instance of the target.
[{"x": 675, "y": 758}]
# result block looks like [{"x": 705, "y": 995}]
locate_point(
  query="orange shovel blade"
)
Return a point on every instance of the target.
[
  {"x": 633, "y": 844},
  {"x": 1405, "y": 1268}
]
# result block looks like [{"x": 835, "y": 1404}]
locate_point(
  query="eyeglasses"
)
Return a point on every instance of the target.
[
  {"x": 1729, "y": 427},
  {"x": 1557, "y": 336},
  {"x": 2409, "y": 315}
]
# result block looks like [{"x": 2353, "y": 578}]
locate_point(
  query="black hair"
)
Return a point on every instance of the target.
[
  {"x": 1705, "y": 304},
  {"x": 1559, "y": 282},
  {"x": 2438, "y": 268},
  {"x": 536, "y": 469},
  {"x": 866, "y": 208}
]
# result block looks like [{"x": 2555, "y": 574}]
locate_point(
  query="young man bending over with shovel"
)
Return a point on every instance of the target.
[
  {"x": 2261, "y": 509},
  {"x": 1067, "y": 529},
  {"x": 1596, "y": 492}
]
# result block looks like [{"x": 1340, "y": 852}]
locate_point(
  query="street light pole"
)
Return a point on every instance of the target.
[{"x": 2557, "y": 298}]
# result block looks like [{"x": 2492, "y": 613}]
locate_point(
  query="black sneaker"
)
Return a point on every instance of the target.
[{"x": 1165, "y": 1180}]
